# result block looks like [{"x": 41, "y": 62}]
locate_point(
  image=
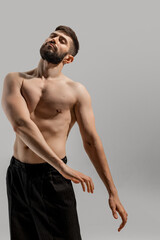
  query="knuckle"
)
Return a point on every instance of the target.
[
  {"x": 81, "y": 179},
  {"x": 87, "y": 179}
]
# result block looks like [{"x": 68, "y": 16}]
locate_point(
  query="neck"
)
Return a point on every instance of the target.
[{"x": 48, "y": 70}]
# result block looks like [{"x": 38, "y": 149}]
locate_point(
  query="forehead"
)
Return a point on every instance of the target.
[{"x": 60, "y": 33}]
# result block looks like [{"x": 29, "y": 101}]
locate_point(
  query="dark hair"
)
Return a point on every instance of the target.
[{"x": 69, "y": 32}]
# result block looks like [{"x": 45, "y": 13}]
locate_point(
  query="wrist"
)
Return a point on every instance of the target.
[
  {"x": 113, "y": 192},
  {"x": 60, "y": 166}
]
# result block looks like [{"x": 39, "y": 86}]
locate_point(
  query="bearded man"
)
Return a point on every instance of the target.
[{"x": 42, "y": 106}]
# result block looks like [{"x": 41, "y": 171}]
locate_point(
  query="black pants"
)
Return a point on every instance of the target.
[{"x": 41, "y": 203}]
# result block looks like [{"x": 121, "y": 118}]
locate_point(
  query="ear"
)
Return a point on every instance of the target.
[{"x": 68, "y": 59}]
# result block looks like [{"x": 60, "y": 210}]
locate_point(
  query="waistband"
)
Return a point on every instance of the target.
[{"x": 33, "y": 166}]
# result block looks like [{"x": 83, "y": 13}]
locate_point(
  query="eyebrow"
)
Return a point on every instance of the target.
[{"x": 55, "y": 34}]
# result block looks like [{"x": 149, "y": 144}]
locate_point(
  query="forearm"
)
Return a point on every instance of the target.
[
  {"x": 33, "y": 138},
  {"x": 96, "y": 154}
]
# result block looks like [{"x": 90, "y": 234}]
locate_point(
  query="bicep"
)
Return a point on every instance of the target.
[
  {"x": 85, "y": 116},
  {"x": 13, "y": 103}
]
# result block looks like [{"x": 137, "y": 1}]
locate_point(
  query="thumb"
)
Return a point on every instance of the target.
[
  {"x": 115, "y": 215},
  {"x": 75, "y": 180}
]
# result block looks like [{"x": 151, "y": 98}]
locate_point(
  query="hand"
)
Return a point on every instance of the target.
[
  {"x": 116, "y": 205},
  {"x": 77, "y": 177}
]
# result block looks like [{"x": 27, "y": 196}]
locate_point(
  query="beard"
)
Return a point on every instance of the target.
[{"x": 50, "y": 54}]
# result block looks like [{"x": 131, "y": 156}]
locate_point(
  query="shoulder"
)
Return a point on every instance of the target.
[
  {"x": 77, "y": 86},
  {"x": 82, "y": 93},
  {"x": 80, "y": 90},
  {"x": 11, "y": 86},
  {"x": 13, "y": 78},
  {"x": 13, "y": 75}
]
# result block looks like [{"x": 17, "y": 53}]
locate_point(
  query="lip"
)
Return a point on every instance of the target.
[{"x": 52, "y": 45}]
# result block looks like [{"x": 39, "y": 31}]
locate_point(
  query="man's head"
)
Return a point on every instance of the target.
[{"x": 61, "y": 46}]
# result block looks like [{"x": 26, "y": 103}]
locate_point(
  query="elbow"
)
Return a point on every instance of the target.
[
  {"x": 16, "y": 128},
  {"x": 20, "y": 123},
  {"x": 91, "y": 141}
]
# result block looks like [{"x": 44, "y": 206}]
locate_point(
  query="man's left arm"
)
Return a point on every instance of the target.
[{"x": 94, "y": 149}]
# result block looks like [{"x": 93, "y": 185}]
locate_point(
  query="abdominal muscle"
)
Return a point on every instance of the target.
[
  {"x": 55, "y": 137},
  {"x": 23, "y": 153},
  {"x": 51, "y": 106}
]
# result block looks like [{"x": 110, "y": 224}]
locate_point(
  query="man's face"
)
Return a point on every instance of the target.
[{"x": 55, "y": 47}]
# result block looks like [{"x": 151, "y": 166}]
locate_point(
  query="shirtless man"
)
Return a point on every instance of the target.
[{"x": 42, "y": 106}]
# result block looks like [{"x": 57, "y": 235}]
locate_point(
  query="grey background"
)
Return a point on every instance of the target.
[{"x": 118, "y": 62}]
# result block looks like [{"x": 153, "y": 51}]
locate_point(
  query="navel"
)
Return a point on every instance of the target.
[
  {"x": 26, "y": 147},
  {"x": 59, "y": 110}
]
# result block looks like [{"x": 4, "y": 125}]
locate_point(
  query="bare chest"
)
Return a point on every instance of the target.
[{"x": 47, "y": 99}]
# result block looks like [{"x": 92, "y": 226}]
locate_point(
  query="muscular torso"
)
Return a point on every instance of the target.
[{"x": 51, "y": 105}]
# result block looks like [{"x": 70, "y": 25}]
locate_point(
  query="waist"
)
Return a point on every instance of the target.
[
  {"x": 24, "y": 153},
  {"x": 33, "y": 167}
]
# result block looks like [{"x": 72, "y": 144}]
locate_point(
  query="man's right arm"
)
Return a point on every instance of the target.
[{"x": 16, "y": 110}]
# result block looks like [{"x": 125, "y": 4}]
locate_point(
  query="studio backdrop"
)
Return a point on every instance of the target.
[{"x": 118, "y": 62}]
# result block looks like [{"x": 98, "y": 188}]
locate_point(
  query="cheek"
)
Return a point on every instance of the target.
[
  {"x": 47, "y": 40},
  {"x": 64, "y": 48}
]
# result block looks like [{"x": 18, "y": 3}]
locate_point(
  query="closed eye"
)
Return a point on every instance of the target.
[{"x": 62, "y": 40}]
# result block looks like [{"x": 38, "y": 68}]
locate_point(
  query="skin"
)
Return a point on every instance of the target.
[{"x": 42, "y": 106}]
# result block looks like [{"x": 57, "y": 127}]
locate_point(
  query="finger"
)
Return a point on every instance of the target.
[
  {"x": 92, "y": 185},
  {"x": 83, "y": 185},
  {"x": 113, "y": 208},
  {"x": 75, "y": 180},
  {"x": 124, "y": 220},
  {"x": 115, "y": 215},
  {"x": 88, "y": 185},
  {"x": 121, "y": 226}
]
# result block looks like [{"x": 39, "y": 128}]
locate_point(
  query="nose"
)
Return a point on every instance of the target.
[{"x": 55, "y": 40}]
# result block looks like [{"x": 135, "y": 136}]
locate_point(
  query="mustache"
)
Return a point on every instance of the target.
[{"x": 51, "y": 42}]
